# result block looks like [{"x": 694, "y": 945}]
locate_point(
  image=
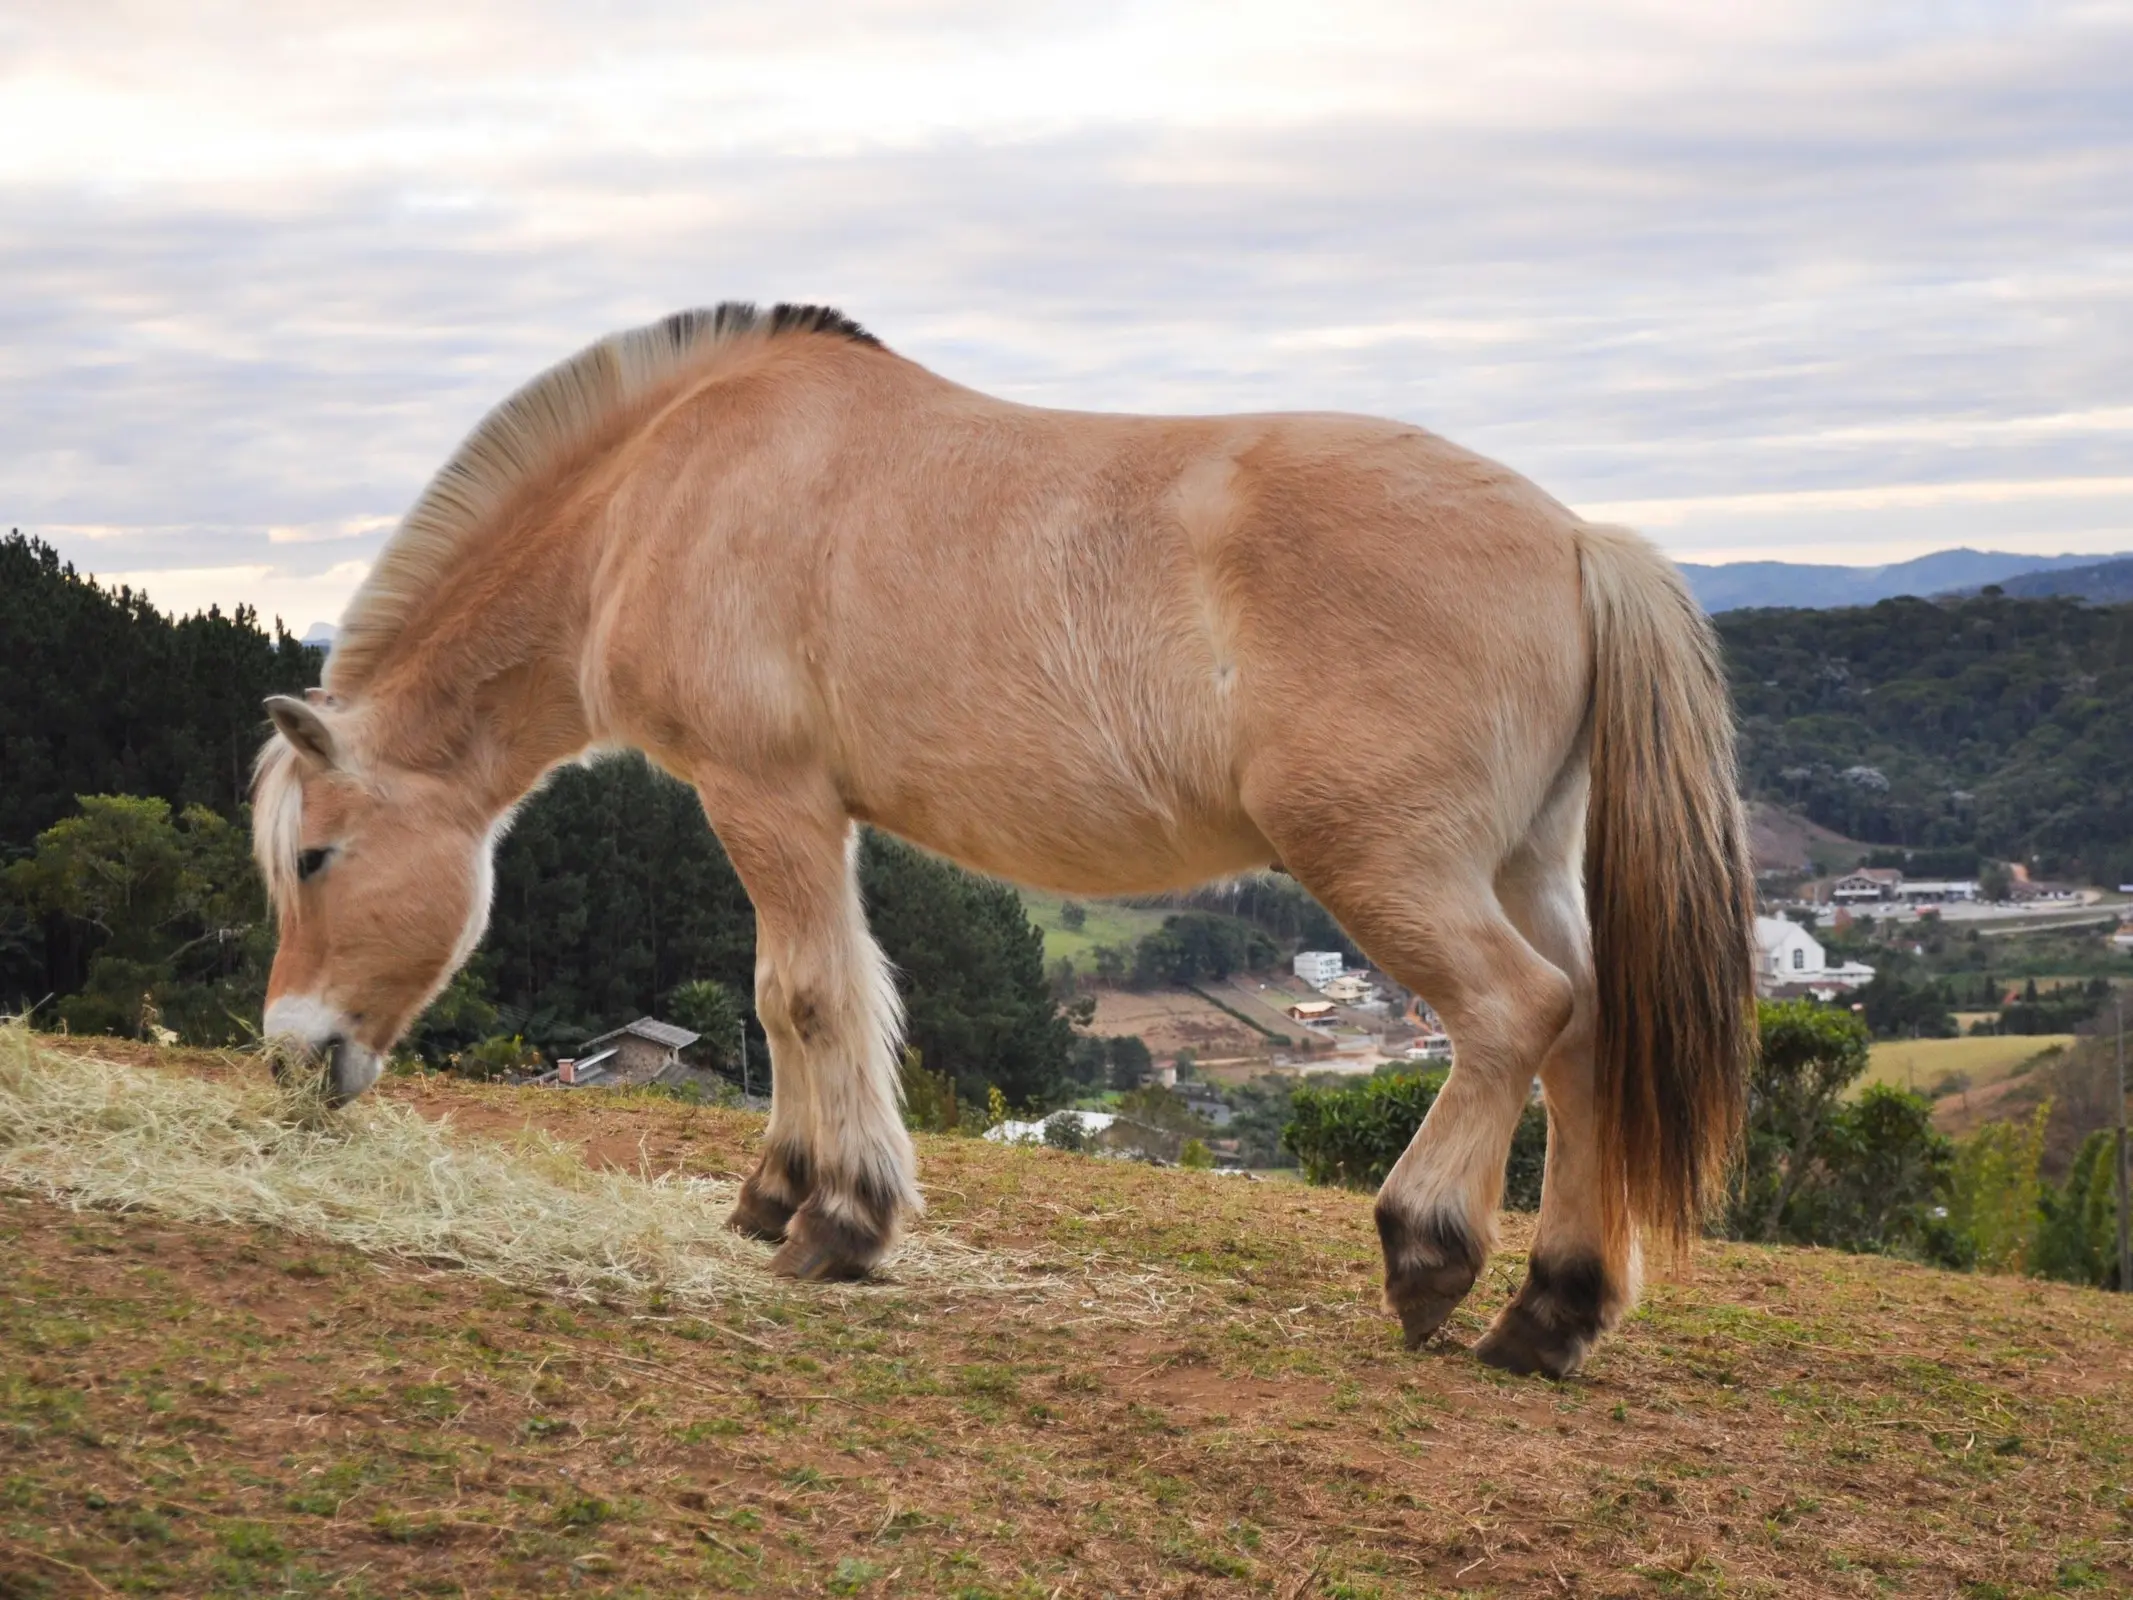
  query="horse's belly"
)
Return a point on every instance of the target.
[{"x": 1082, "y": 835}]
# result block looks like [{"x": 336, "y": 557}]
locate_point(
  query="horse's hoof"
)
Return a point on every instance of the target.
[
  {"x": 1556, "y": 1317},
  {"x": 754, "y": 1217},
  {"x": 813, "y": 1263},
  {"x": 774, "y": 1191},
  {"x": 1429, "y": 1267},
  {"x": 823, "y": 1248}
]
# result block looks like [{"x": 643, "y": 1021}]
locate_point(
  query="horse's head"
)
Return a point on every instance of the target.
[{"x": 380, "y": 880}]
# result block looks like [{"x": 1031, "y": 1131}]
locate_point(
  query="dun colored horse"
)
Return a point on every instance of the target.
[{"x": 1101, "y": 654}]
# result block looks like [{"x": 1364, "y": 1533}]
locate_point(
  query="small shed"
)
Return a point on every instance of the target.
[{"x": 637, "y": 1053}]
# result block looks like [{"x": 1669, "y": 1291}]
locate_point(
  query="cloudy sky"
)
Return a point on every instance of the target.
[{"x": 1830, "y": 282}]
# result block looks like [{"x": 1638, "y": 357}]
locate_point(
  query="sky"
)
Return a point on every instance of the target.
[{"x": 1817, "y": 282}]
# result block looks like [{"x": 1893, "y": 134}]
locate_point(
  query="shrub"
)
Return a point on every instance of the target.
[
  {"x": 1352, "y": 1136},
  {"x": 1195, "y": 1155},
  {"x": 929, "y": 1097},
  {"x": 1993, "y": 1192},
  {"x": 1809, "y": 1056},
  {"x": 498, "y": 1056},
  {"x": 2077, "y": 1229},
  {"x": 1879, "y": 1168},
  {"x": 1064, "y": 1130}
]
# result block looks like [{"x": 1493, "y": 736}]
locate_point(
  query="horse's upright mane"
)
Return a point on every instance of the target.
[{"x": 546, "y": 418}]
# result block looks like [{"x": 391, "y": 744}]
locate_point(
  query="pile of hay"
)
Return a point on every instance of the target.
[{"x": 387, "y": 1181}]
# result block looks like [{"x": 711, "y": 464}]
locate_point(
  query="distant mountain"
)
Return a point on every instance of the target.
[
  {"x": 2107, "y": 583},
  {"x": 320, "y": 633},
  {"x": 1786, "y": 583}
]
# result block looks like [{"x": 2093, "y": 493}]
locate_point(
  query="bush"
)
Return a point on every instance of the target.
[
  {"x": 1809, "y": 1056},
  {"x": 1352, "y": 1136},
  {"x": 1879, "y": 1168},
  {"x": 929, "y": 1097},
  {"x": 1993, "y": 1192},
  {"x": 2077, "y": 1231},
  {"x": 500, "y": 1055},
  {"x": 1064, "y": 1130}
]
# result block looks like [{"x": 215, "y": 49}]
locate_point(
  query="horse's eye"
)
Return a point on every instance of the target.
[{"x": 309, "y": 862}]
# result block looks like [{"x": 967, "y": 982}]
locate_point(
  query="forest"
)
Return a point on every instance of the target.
[{"x": 1985, "y": 726}]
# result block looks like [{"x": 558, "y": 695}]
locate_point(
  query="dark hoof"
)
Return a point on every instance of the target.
[
  {"x": 774, "y": 1191},
  {"x": 1429, "y": 1267},
  {"x": 823, "y": 1249},
  {"x": 814, "y": 1263},
  {"x": 757, "y": 1216},
  {"x": 1553, "y": 1321}
]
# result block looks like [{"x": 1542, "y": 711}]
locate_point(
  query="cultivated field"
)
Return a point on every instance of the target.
[
  {"x": 1088, "y": 1379},
  {"x": 1169, "y": 1020},
  {"x": 1922, "y": 1064}
]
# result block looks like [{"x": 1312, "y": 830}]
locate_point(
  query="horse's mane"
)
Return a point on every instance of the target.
[{"x": 541, "y": 422}]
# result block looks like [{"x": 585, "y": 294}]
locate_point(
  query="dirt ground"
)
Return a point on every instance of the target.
[
  {"x": 1785, "y": 841},
  {"x": 194, "y": 1409},
  {"x": 1170, "y": 1020}
]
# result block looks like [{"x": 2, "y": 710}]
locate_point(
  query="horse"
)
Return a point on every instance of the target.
[{"x": 1098, "y": 654}]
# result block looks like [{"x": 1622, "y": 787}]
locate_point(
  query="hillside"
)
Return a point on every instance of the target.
[
  {"x": 1989, "y": 724},
  {"x": 1140, "y": 1381},
  {"x": 1736, "y": 584},
  {"x": 2105, "y": 583}
]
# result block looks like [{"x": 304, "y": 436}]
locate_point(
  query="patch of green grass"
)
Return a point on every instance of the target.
[{"x": 1104, "y": 922}]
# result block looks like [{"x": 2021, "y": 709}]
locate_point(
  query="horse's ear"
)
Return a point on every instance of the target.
[{"x": 303, "y": 727}]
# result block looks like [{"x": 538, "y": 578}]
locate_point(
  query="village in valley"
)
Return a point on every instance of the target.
[{"x": 1225, "y": 1051}]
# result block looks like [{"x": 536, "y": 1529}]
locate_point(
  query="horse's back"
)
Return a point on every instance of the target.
[{"x": 1056, "y": 645}]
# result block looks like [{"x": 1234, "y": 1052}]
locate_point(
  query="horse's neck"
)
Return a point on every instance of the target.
[{"x": 488, "y": 691}]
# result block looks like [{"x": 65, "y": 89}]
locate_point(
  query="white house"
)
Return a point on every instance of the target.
[
  {"x": 1430, "y": 1047},
  {"x": 1013, "y": 1132},
  {"x": 1318, "y": 967},
  {"x": 1349, "y": 989},
  {"x": 1937, "y": 891},
  {"x": 1787, "y": 955},
  {"x": 1867, "y": 884}
]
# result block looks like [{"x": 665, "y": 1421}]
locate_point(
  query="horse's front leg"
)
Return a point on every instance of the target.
[{"x": 837, "y": 1172}]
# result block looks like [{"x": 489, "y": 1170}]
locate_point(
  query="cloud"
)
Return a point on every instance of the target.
[{"x": 1748, "y": 268}]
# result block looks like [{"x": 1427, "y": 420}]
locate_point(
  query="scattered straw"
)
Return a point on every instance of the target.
[{"x": 387, "y": 1181}]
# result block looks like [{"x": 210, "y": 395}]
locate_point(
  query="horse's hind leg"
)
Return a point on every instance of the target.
[
  {"x": 837, "y": 1171},
  {"x": 1433, "y": 921},
  {"x": 1581, "y": 1274}
]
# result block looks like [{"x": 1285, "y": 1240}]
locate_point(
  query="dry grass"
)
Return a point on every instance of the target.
[
  {"x": 217, "y": 1408},
  {"x": 1922, "y": 1064},
  {"x": 381, "y": 1178}
]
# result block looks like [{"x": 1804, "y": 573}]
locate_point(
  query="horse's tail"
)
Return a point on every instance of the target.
[{"x": 1670, "y": 891}]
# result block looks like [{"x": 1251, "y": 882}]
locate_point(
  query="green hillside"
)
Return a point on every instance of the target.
[
  {"x": 1989, "y": 724},
  {"x": 1105, "y": 922}
]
